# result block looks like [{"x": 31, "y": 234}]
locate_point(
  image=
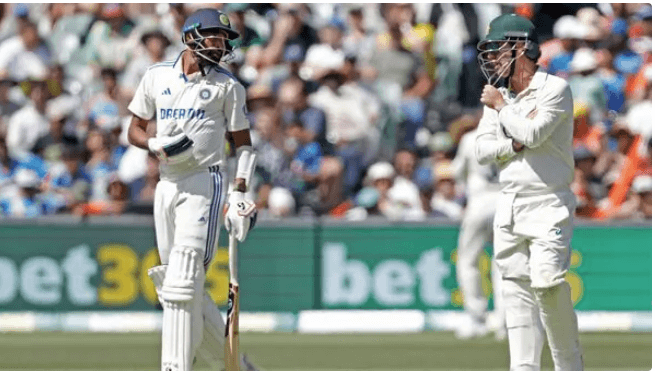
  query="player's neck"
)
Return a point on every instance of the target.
[{"x": 521, "y": 78}]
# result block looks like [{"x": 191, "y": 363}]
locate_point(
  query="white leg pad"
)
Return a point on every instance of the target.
[
  {"x": 524, "y": 330},
  {"x": 211, "y": 349},
  {"x": 157, "y": 274},
  {"x": 561, "y": 325},
  {"x": 181, "y": 294}
]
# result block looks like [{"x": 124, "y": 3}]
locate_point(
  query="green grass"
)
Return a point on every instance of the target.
[{"x": 298, "y": 352}]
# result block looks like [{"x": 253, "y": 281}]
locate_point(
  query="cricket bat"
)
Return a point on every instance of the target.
[{"x": 232, "y": 361}]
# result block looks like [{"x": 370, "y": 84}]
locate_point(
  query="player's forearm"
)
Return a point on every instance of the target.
[
  {"x": 137, "y": 134},
  {"x": 242, "y": 143},
  {"x": 493, "y": 150}
]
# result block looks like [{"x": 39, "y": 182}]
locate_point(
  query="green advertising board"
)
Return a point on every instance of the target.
[{"x": 298, "y": 266}]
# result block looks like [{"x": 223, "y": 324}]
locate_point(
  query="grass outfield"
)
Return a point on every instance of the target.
[{"x": 435, "y": 351}]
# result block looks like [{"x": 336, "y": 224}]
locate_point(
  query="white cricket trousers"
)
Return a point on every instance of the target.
[
  {"x": 532, "y": 247},
  {"x": 188, "y": 212}
]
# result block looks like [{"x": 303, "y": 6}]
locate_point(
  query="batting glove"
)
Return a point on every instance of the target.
[
  {"x": 172, "y": 150},
  {"x": 241, "y": 215}
]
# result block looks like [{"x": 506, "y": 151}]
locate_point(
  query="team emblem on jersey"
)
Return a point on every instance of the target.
[{"x": 204, "y": 94}]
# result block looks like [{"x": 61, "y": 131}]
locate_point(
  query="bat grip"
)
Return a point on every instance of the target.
[{"x": 233, "y": 260}]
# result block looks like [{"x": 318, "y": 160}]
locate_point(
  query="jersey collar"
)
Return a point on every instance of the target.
[{"x": 539, "y": 79}]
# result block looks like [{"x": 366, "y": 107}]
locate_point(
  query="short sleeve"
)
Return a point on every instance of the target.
[
  {"x": 143, "y": 103},
  {"x": 235, "y": 108}
]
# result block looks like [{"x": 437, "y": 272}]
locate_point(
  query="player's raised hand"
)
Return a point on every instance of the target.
[{"x": 492, "y": 98}]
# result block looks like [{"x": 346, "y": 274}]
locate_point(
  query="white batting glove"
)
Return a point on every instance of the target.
[
  {"x": 241, "y": 215},
  {"x": 172, "y": 150}
]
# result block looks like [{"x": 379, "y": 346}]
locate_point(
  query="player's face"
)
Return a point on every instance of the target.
[
  {"x": 215, "y": 39},
  {"x": 502, "y": 58},
  {"x": 215, "y": 43}
]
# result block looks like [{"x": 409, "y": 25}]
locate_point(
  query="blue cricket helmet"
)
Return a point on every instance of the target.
[{"x": 209, "y": 19}]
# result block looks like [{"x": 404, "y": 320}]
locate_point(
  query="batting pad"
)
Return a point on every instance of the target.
[
  {"x": 212, "y": 348},
  {"x": 182, "y": 325},
  {"x": 157, "y": 274}
]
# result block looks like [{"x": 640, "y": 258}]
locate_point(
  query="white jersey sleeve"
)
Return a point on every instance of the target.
[
  {"x": 143, "y": 103},
  {"x": 235, "y": 108},
  {"x": 554, "y": 107},
  {"x": 489, "y": 145}
]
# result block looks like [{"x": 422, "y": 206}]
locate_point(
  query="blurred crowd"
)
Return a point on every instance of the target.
[{"x": 356, "y": 110}]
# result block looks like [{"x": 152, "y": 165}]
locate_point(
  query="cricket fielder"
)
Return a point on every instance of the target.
[
  {"x": 482, "y": 190},
  {"x": 195, "y": 103},
  {"x": 527, "y": 129}
]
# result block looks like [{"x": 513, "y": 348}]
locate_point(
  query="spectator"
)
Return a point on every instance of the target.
[
  {"x": 587, "y": 186},
  {"x": 359, "y": 40},
  {"x": 613, "y": 82},
  {"x": 293, "y": 99},
  {"x": 172, "y": 21},
  {"x": 378, "y": 182},
  {"x": 111, "y": 95},
  {"x": 51, "y": 144},
  {"x": 445, "y": 200},
  {"x": 281, "y": 203},
  {"x": 326, "y": 55},
  {"x": 109, "y": 44},
  {"x": 289, "y": 29},
  {"x": 8, "y": 105},
  {"x": 347, "y": 124},
  {"x": 403, "y": 78},
  {"x": 156, "y": 46},
  {"x": 142, "y": 190},
  {"x": 28, "y": 124},
  {"x": 70, "y": 183},
  {"x": 268, "y": 140},
  {"x": 306, "y": 158},
  {"x": 27, "y": 202},
  {"x": 26, "y": 55},
  {"x": 98, "y": 164},
  {"x": 585, "y": 132},
  {"x": 404, "y": 190},
  {"x": 642, "y": 186},
  {"x": 586, "y": 84},
  {"x": 116, "y": 203},
  {"x": 248, "y": 36},
  {"x": 568, "y": 31},
  {"x": 10, "y": 164}
]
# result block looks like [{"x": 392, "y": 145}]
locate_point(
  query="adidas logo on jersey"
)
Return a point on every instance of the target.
[
  {"x": 202, "y": 219},
  {"x": 166, "y": 92}
]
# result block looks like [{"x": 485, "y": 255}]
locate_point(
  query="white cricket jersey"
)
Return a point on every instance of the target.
[
  {"x": 540, "y": 117},
  {"x": 203, "y": 107}
]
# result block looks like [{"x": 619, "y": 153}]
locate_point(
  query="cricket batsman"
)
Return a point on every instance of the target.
[
  {"x": 195, "y": 103},
  {"x": 527, "y": 129}
]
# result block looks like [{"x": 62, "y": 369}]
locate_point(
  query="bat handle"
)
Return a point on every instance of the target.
[{"x": 233, "y": 261}]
